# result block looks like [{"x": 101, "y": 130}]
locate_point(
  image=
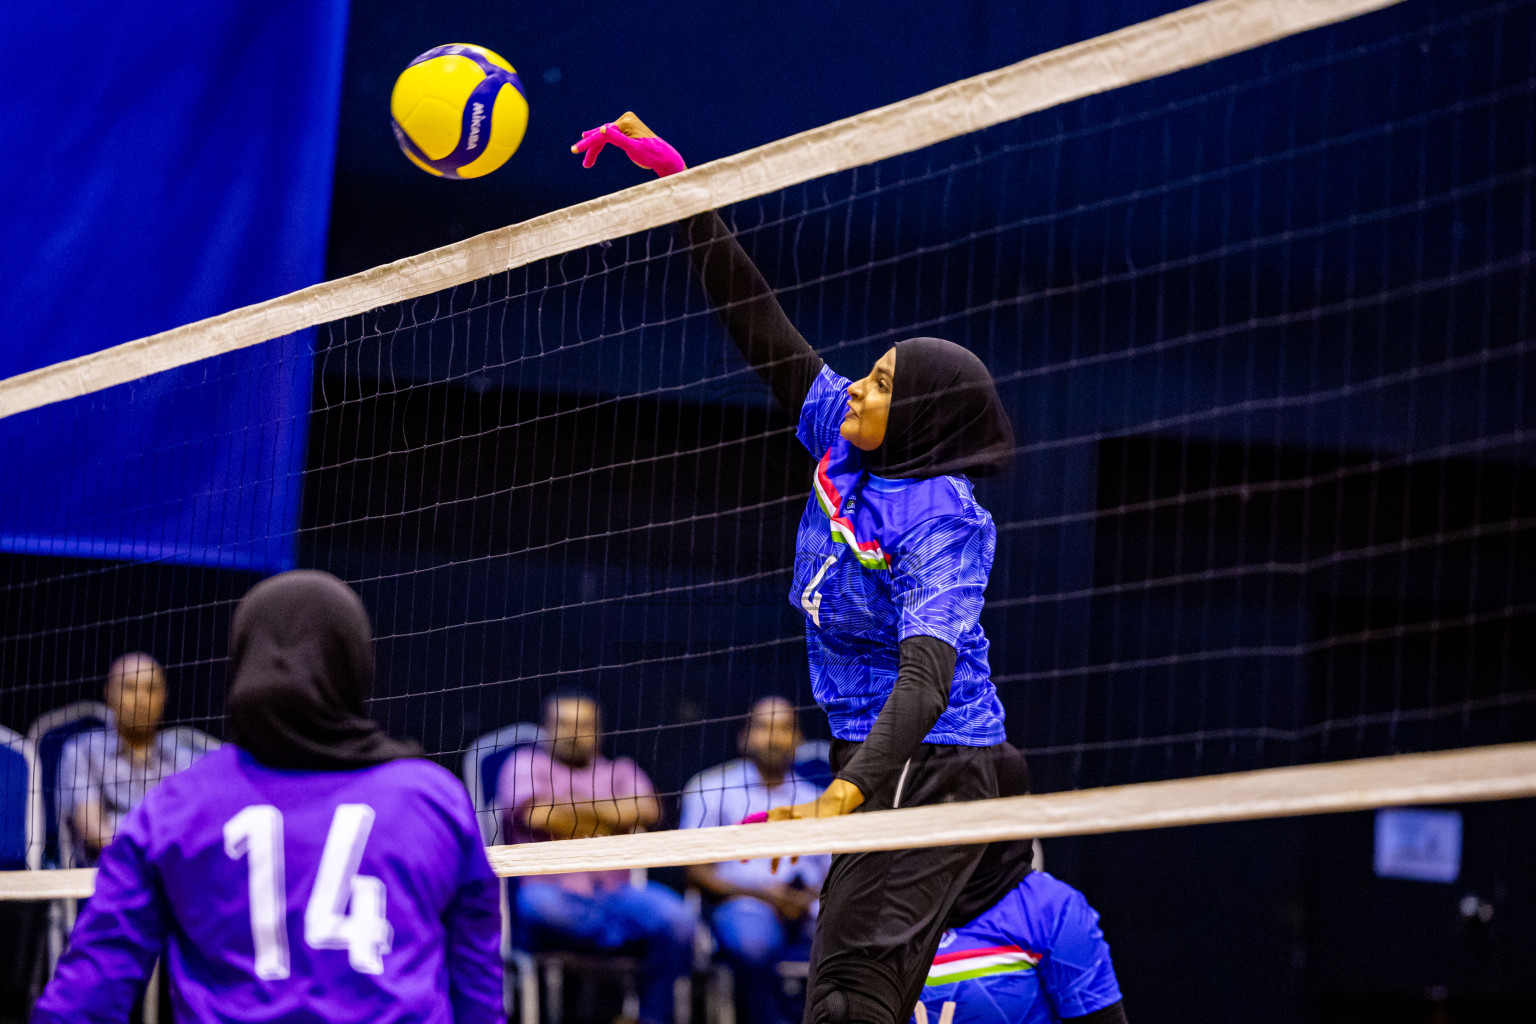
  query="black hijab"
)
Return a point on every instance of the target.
[
  {"x": 1003, "y": 865},
  {"x": 301, "y": 665},
  {"x": 945, "y": 416}
]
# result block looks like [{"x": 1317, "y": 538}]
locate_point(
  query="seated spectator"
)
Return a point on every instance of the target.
[
  {"x": 104, "y": 773},
  {"x": 563, "y": 788},
  {"x": 761, "y": 917}
]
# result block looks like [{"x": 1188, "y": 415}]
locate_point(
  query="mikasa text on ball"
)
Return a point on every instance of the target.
[{"x": 458, "y": 111}]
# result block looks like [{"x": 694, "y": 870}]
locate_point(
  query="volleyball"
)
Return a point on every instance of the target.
[{"x": 458, "y": 111}]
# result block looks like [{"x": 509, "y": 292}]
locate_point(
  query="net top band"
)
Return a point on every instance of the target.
[{"x": 1149, "y": 49}]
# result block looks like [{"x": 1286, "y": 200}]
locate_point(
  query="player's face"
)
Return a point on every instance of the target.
[
  {"x": 572, "y": 726},
  {"x": 771, "y": 735},
  {"x": 869, "y": 405},
  {"x": 136, "y": 695}
]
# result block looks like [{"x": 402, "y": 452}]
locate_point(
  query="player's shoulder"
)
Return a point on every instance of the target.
[
  {"x": 1043, "y": 889},
  {"x": 1054, "y": 904},
  {"x": 200, "y": 776},
  {"x": 421, "y": 775},
  {"x": 231, "y": 771},
  {"x": 821, "y": 410},
  {"x": 411, "y": 786},
  {"x": 1031, "y": 913},
  {"x": 182, "y": 797},
  {"x": 939, "y": 505},
  {"x": 956, "y": 499}
]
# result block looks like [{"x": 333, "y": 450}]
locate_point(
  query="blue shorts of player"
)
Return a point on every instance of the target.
[
  {"x": 1037, "y": 957},
  {"x": 878, "y": 561},
  {"x": 754, "y": 941},
  {"x": 652, "y": 920}
]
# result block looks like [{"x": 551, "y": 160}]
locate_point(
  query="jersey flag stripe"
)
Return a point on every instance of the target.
[
  {"x": 869, "y": 553},
  {"x": 949, "y": 968}
]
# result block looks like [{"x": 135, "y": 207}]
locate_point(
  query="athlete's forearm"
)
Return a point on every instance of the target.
[
  {"x": 917, "y": 700},
  {"x": 752, "y": 316},
  {"x": 565, "y": 821}
]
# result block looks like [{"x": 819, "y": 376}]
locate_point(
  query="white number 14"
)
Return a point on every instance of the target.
[{"x": 345, "y": 910}]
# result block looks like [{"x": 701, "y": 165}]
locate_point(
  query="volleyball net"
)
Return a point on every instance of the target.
[{"x": 1253, "y": 279}]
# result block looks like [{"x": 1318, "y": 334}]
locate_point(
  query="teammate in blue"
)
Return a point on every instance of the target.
[
  {"x": 892, "y": 559},
  {"x": 315, "y": 870},
  {"x": 1022, "y": 947}
]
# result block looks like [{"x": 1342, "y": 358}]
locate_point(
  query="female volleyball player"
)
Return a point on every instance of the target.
[
  {"x": 316, "y": 870},
  {"x": 1021, "y": 947},
  {"x": 892, "y": 558}
]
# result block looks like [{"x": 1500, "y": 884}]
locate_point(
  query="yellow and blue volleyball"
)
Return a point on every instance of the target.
[{"x": 458, "y": 111}]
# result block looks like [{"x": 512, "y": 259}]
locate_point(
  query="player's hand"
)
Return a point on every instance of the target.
[
  {"x": 643, "y": 146},
  {"x": 841, "y": 797}
]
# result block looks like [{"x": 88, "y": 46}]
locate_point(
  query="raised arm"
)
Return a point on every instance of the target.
[
  {"x": 751, "y": 314},
  {"x": 736, "y": 288}
]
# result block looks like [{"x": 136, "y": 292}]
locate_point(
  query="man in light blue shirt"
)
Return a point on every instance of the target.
[
  {"x": 105, "y": 773},
  {"x": 759, "y": 917}
]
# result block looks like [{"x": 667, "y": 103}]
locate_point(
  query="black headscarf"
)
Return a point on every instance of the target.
[
  {"x": 1003, "y": 865},
  {"x": 945, "y": 416},
  {"x": 301, "y": 665}
]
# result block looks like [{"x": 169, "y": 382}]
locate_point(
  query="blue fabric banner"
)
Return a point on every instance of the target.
[{"x": 161, "y": 164}]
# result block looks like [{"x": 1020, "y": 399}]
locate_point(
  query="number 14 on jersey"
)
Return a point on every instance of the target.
[{"x": 345, "y": 910}]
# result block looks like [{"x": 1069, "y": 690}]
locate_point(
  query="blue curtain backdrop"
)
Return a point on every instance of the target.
[{"x": 161, "y": 163}]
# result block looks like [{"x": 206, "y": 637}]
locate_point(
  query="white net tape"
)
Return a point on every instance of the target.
[{"x": 1486, "y": 773}]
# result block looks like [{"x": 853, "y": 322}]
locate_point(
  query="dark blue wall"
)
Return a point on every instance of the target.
[{"x": 160, "y": 166}]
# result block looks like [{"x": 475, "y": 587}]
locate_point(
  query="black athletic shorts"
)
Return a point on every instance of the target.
[{"x": 882, "y": 914}]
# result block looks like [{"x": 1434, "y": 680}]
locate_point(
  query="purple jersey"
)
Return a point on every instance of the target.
[{"x": 292, "y": 896}]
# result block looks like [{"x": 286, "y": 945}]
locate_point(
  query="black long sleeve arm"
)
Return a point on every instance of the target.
[
  {"x": 917, "y": 700},
  {"x": 752, "y": 316},
  {"x": 1114, "y": 1013}
]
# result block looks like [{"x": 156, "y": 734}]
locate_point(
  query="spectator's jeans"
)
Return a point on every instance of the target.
[
  {"x": 753, "y": 941},
  {"x": 654, "y": 916}
]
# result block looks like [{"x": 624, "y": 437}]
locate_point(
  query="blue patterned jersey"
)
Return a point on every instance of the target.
[
  {"x": 1036, "y": 957},
  {"x": 878, "y": 561}
]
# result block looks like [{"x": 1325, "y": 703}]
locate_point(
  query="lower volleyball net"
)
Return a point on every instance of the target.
[
  {"x": 1505, "y": 772},
  {"x": 1253, "y": 280}
]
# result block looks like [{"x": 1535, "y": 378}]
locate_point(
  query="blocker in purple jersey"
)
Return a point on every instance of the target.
[{"x": 277, "y": 895}]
